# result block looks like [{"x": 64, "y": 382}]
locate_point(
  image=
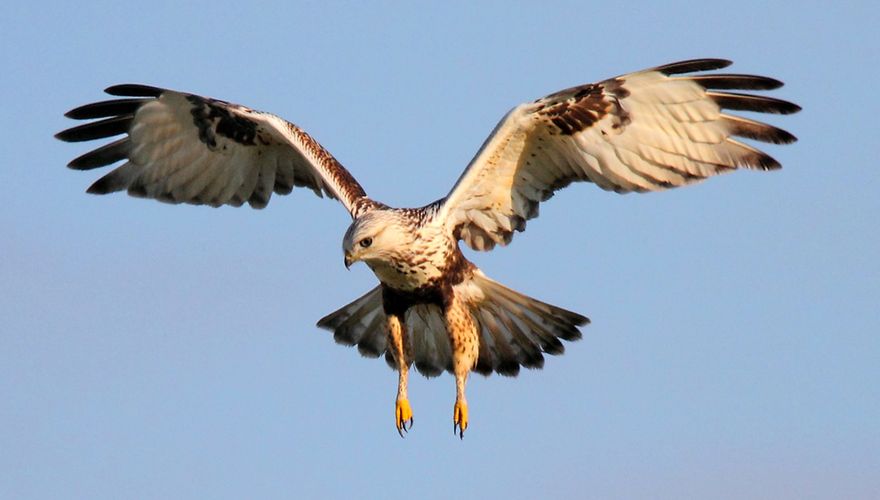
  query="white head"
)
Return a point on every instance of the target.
[{"x": 377, "y": 237}]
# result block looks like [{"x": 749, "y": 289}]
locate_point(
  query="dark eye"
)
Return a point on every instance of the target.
[{"x": 366, "y": 242}]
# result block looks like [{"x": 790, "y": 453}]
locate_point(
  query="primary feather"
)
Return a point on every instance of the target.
[
  {"x": 650, "y": 130},
  {"x": 643, "y": 131},
  {"x": 184, "y": 148}
]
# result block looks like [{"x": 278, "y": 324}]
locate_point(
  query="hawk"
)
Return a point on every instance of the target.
[{"x": 649, "y": 130}]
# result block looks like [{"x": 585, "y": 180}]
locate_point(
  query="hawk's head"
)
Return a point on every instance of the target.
[{"x": 377, "y": 237}]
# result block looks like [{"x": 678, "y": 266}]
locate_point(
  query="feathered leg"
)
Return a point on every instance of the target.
[
  {"x": 462, "y": 330},
  {"x": 397, "y": 345}
]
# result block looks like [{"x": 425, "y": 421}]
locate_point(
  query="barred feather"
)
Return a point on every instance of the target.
[
  {"x": 645, "y": 131},
  {"x": 184, "y": 148},
  {"x": 514, "y": 330}
]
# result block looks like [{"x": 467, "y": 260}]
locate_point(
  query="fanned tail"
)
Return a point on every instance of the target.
[
  {"x": 515, "y": 330},
  {"x": 361, "y": 323}
]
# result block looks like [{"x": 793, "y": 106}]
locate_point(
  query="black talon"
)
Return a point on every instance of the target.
[{"x": 402, "y": 428}]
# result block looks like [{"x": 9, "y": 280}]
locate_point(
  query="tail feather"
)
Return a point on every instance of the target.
[
  {"x": 514, "y": 330},
  {"x": 497, "y": 353},
  {"x": 432, "y": 352},
  {"x": 361, "y": 323},
  {"x": 428, "y": 343},
  {"x": 531, "y": 349},
  {"x": 565, "y": 323}
]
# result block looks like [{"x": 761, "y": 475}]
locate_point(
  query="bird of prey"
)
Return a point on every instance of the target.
[{"x": 649, "y": 130}]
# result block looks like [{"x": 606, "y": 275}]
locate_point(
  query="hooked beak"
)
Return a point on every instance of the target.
[{"x": 348, "y": 260}]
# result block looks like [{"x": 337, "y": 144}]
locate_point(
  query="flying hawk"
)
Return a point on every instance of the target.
[{"x": 650, "y": 130}]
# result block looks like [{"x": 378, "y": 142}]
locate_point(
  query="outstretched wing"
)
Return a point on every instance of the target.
[
  {"x": 644, "y": 131},
  {"x": 184, "y": 148}
]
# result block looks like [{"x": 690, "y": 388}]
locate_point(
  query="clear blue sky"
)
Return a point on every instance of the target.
[{"x": 156, "y": 351}]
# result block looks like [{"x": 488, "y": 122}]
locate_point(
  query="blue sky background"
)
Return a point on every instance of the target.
[{"x": 156, "y": 351}]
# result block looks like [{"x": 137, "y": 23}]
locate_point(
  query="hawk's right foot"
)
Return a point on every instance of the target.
[
  {"x": 460, "y": 418},
  {"x": 402, "y": 415}
]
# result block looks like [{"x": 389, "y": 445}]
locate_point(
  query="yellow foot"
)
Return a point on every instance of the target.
[
  {"x": 402, "y": 415},
  {"x": 460, "y": 418}
]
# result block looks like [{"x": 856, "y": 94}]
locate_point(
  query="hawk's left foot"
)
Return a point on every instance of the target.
[
  {"x": 402, "y": 415},
  {"x": 460, "y": 418}
]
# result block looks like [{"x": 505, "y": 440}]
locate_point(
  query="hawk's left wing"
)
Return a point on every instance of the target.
[
  {"x": 644, "y": 131},
  {"x": 185, "y": 148}
]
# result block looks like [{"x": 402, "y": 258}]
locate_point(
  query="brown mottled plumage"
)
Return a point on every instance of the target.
[{"x": 644, "y": 131}]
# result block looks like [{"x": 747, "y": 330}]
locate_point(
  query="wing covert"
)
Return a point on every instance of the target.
[
  {"x": 185, "y": 148},
  {"x": 644, "y": 131}
]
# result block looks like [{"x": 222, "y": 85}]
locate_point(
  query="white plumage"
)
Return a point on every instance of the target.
[
  {"x": 648, "y": 131},
  {"x": 644, "y": 131}
]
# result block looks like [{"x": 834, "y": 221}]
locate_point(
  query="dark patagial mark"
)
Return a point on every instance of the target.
[
  {"x": 212, "y": 117},
  {"x": 574, "y": 109},
  {"x": 578, "y": 108}
]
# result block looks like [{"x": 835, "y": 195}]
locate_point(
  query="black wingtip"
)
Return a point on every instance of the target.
[
  {"x": 134, "y": 90},
  {"x": 763, "y": 161},
  {"x": 743, "y": 127},
  {"x": 101, "y": 186},
  {"x": 760, "y": 104},
  {"x": 104, "y": 109},
  {"x": 96, "y": 130},
  {"x": 103, "y": 156},
  {"x": 692, "y": 65},
  {"x": 552, "y": 346},
  {"x": 733, "y": 81},
  {"x": 770, "y": 164}
]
